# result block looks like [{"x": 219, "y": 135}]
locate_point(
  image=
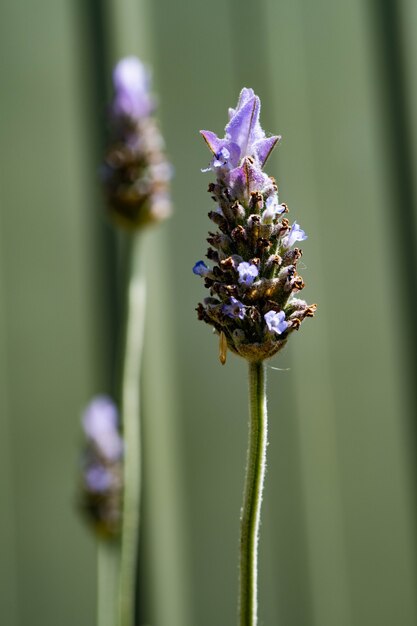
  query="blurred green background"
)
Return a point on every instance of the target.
[{"x": 338, "y": 80}]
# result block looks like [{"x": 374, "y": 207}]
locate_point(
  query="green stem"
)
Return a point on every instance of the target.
[
  {"x": 130, "y": 412},
  {"x": 252, "y": 497},
  {"x": 108, "y": 572}
]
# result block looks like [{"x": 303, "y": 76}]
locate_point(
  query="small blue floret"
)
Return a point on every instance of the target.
[
  {"x": 200, "y": 269},
  {"x": 276, "y": 322},
  {"x": 296, "y": 234},
  {"x": 247, "y": 273},
  {"x": 221, "y": 158},
  {"x": 273, "y": 208},
  {"x": 234, "y": 309}
]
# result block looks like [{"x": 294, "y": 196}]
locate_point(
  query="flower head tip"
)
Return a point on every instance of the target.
[{"x": 131, "y": 82}]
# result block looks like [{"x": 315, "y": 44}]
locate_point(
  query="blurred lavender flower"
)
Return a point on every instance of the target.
[
  {"x": 131, "y": 80},
  {"x": 102, "y": 466},
  {"x": 135, "y": 173},
  {"x": 100, "y": 426},
  {"x": 98, "y": 479},
  {"x": 254, "y": 277}
]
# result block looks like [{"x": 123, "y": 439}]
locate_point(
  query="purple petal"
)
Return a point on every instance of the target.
[
  {"x": 246, "y": 94},
  {"x": 296, "y": 234},
  {"x": 244, "y": 128},
  {"x": 214, "y": 143},
  {"x": 234, "y": 309},
  {"x": 273, "y": 208},
  {"x": 234, "y": 154},
  {"x": 237, "y": 181},
  {"x": 256, "y": 179},
  {"x": 276, "y": 322},
  {"x": 227, "y": 153},
  {"x": 264, "y": 147},
  {"x": 247, "y": 273},
  {"x": 247, "y": 178}
]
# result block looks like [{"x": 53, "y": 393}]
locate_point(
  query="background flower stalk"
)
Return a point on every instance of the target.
[
  {"x": 135, "y": 176},
  {"x": 136, "y": 179},
  {"x": 130, "y": 399}
]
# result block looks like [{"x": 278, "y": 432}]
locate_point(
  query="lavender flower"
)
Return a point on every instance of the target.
[
  {"x": 273, "y": 209},
  {"x": 247, "y": 273},
  {"x": 234, "y": 309},
  {"x": 200, "y": 269},
  {"x": 102, "y": 466},
  {"x": 276, "y": 322},
  {"x": 135, "y": 173},
  {"x": 295, "y": 234},
  {"x": 252, "y": 303}
]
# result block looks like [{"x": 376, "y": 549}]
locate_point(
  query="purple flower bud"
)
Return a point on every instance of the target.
[
  {"x": 131, "y": 85},
  {"x": 200, "y": 269},
  {"x": 272, "y": 209},
  {"x": 234, "y": 309},
  {"x": 276, "y": 322},
  {"x": 247, "y": 273},
  {"x": 100, "y": 421},
  {"x": 295, "y": 234}
]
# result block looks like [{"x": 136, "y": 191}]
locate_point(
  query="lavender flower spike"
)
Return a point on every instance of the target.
[
  {"x": 102, "y": 465},
  {"x": 273, "y": 209},
  {"x": 254, "y": 280},
  {"x": 135, "y": 172},
  {"x": 252, "y": 303}
]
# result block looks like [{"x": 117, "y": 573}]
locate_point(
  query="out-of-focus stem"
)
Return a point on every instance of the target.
[
  {"x": 108, "y": 572},
  {"x": 130, "y": 412}
]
